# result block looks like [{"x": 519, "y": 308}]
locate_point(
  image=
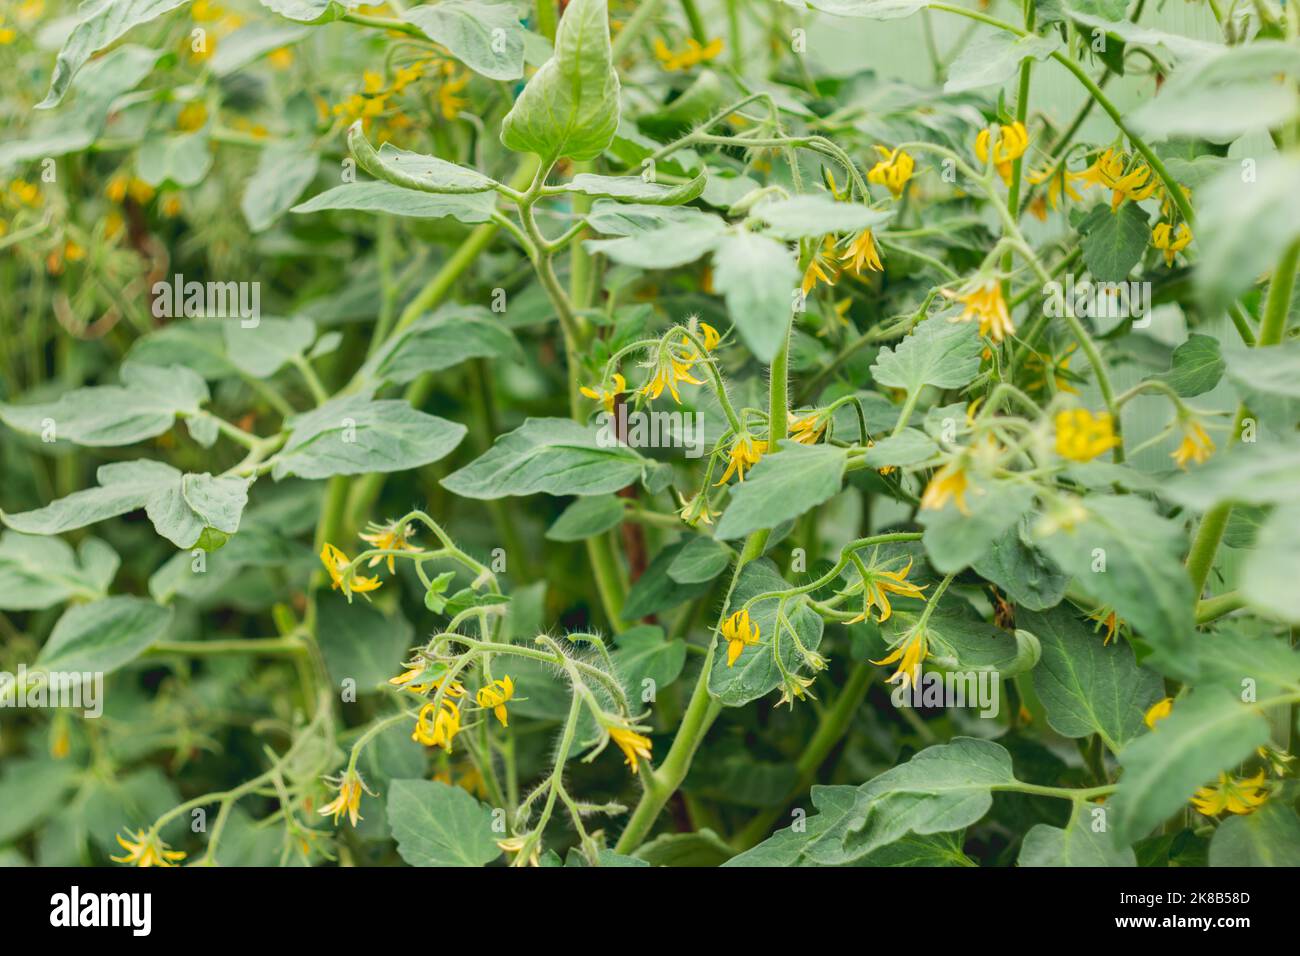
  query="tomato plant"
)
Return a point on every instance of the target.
[{"x": 609, "y": 433}]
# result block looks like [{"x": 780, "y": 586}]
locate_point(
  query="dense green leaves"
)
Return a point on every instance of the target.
[
  {"x": 758, "y": 277},
  {"x": 1113, "y": 242},
  {"x": 1196, "y": 367},
  {"x": 1083, "y": 842},
  {"x": 396, "y": 201},
  {"x": 439, "y": 341}
]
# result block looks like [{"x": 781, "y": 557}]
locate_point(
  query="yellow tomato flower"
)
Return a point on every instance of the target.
[
  {"x": 739, "y": 632},
  {"x": 862, "y": 253},
  {"x": 437, "y": 726},
  {"x": 1011, "y": 144},
  {"x": 495, "y": 695},
  {"x": 1196, "y": 445},
  {"x": 984, "y": 302},
  {"x": 281, "y": 58},
  {"x": 1233, "y": 794},
  {"x": 877, "y": 587},
  {"x": 910, "y": 652},
  {"x": 1107, "y": 618},
  {"x": 450, "y": 102},
  {"x": 1058, "y": 366},
  {"x": 745, "y": 453},
  {"x": 348, "y": 800},
  {"x": 694, "y": 54},
  {"x": 388, "y": 537},
  {"x": 696, "y": 511},
  {"x": 407, "y": 680},
  {"x": 607, "y": 397},
  {"x": 808, "y": 429},
  {"x": 1082, "y": 435},
  {"x": 192, "y": 116},
  {"x": 23, "y": 193},
  {"x": 1060, "y": 184},
  {"x": 821, "y": 268},
  {"x": 950, "y": 481},
  {"x": 1164, "y": 237},
  {"x": 146, "y": 849},
  {"x": 892, "y": 171},
  {"x": 1158, "y": 712},
  {"x": 1110, "y": 170},
  {"x": 336, "y": 562},
  {"x": 632, "y": 744},
  {"x": 669, "y": 372}
]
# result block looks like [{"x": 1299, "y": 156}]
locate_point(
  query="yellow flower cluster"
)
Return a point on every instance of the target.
[
  {"x": 348, "y": 799},
  {"x": 745, "y": 453},
  {"x": 146, "y": 849},
  {"x": 908, "y": 655},
  {"x": 1126, "y": 180},
  {"x": 878, "y": 584},
  {"x": 635, "y": 746},
  {"x": 1169, "y": 240},
  {"x": 1196, "y": 445}
]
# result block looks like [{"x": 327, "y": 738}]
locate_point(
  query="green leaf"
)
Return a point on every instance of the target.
[
  {"x": 1240, "y": 90},
  {"x": 362, "y": 644},
  {"x": 1209, "y": 731},
  {"x": 909, "y": 447},
  {"x": 99, "y": 23},
  {"x": 570, "y": 106},
  {"x": 284, "y": 170},
  {"x": 1087, "y": 687},
  {"x": 758, "y": 276},
  {"x": 634, "y": 189},
  {"x": 587, "y": 517},
  {"x": 1166, "y": 47},
  {"x": 1076, "y": 845},
  {"x": 183, "y": 159},
  {"x": 263, "y": 349},
  {"x": 197, "y": 344},
  {"x": 813, "y": 215},
  {"x": 37, "y": 572},
  {"x": 703, "y": 559},
  {"x": 30, "y": 791},
  {"x": 1144, "y": 579},
  {"x": 251, "y": 43},
  {"x": 356, "y": 435},
  {"x": 436, "y": 824},
  {"x": 642, "y": 653},
  {"x": 954, "y": 540},
  {"x": 1268, "y": 837},
  {"x": 453, "y": 334},
  {"x": 701, "y": 848},
  {"x": 307, "y": 11},
  {"x": 1248, "y": 220},
  {"x": 144, "y": 406},
  {"x": 867, "y": 9},
  {"x": 1113, "y": 242},
  {"x": 557, "y": 456},
  {"x": 1268, "y": 380},
  {"x": 396, "y": 201},
  {"x": 943, "y": 788},
  {"x": 427, "y": 174},
  {"x": 76, "y": 126},
  {"x": 961, "y": 641},
  {"x": 1272, "y": 567},
  {"x": 665, "y": 247},
  {"x": 103, "y": 635},
  {"x": 1252, "y": 473},
  {"x": 1237, "y": 662},
  {"x": 655, "y": 591},
  {"x": 937, "y": 352},
  {"x": 755, "y": 671},
  {"x": 1029, "y": 577},
  {"x": 181, "y": 506},
  {"x": 486, "y": 37},
  {"x": 783, "y": 486},
  {"x": 992, "y": 58},
  {"x": 1196, "y": 367}
]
